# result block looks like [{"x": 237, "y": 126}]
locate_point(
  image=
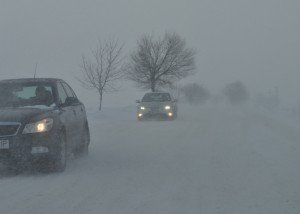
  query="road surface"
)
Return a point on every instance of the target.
[{"x": 214, "y": 160}]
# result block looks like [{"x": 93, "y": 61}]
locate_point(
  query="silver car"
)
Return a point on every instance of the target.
[{"x": 158, "y": 105}]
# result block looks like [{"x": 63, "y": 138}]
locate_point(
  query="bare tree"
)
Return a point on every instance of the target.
[
  {"x": 160, "y": 62},
  {"x": 195, "y": 93},
  {"x": 103, "y": 68},
  {"x": 236, "y": 92}
]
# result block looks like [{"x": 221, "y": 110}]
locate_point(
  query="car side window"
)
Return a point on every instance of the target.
[
  {"x": 69, "y": 91},
  {"x": 61, "y": 93}
]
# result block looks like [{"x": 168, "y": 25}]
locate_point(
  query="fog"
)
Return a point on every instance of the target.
[
  {"x": 234, "y": 147},
  {"x": 256, "y": 42}
]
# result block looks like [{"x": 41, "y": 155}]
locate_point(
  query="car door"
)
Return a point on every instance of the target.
[
  {"x": 79, "y": 112},
  {"x": 68, "y": 115}
]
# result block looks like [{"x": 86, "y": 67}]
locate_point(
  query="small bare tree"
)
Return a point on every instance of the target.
[
  {"x": 236, "y": 92},
  {"x": 103, "y": 68},
  {"x": 195, "y": 94},
  {"x": 160, "y": 62}
]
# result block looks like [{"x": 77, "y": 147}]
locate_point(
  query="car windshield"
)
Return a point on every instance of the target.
[
  {"x": 156, "y": 97},
  {"x": 25, "y": 94}
]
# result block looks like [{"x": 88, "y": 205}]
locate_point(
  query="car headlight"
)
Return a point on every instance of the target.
[
  {"x": 38, "y": 127},
  {"x": 142, "y": 107},
  {"x": 167, "y": 107}
]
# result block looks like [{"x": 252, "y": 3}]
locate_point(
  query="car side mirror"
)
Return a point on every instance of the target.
[
  {"x": 175, "y": 100},
  {"x": 138, "y": 101},
  {"x": 71, "y": 101}
]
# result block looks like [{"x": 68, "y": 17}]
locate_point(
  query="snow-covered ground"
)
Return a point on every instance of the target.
[{"x": 214, "y": 160}]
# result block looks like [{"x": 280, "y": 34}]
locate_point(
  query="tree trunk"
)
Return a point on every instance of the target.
[
  {"x": 153, "y": 86},
  {"x": 100, "y": 100}
]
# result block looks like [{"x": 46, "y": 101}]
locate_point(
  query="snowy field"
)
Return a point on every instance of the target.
[{"x": 212, "y": 160}]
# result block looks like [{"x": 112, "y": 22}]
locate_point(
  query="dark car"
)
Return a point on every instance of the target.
[
  {"x": 157, "y": 105},
  {"x": 41, "y": 121}
]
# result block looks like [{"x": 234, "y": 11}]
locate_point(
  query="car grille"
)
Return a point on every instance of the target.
[
  {"x": 9, "y": 129},
  {"x": 154, "y": 109}
]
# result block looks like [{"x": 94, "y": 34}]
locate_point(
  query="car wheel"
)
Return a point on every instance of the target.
[
  {"x": 60, "y": 162},
  {"x": 83, "y": 149},
  {"x": 11, "y": 169},
  {"x": 175, "y": 115}
]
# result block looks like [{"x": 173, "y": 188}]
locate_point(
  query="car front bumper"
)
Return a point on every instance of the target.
[
  {"x": 164, "y": 114},
  {"x": 30, "y": 147}
]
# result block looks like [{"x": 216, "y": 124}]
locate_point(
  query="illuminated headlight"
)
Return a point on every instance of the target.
[
  {"x": 142, "y": 107},
  {"x": 38, "y": 127},
  {"x": 167, "y": 107},
  {"x": 140, "y": 115}
]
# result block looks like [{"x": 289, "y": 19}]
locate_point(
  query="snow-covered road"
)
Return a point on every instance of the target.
[{"x": 211, "y": 160}]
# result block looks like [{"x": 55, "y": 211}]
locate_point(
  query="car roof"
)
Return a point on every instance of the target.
[
  {"x": 158, "y": 92},
  {"x": 22, "y": 80}
]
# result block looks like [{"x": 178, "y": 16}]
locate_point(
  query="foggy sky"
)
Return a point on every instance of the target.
[{"x": 257, "y": 42}]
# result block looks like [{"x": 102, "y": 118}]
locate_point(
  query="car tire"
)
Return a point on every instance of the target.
[
  {"x": 175, "y": 115},
  {"x": 11, "y": 169},
  {"x": 83, "y": 149},
  {"x": 60, "y": 161}
]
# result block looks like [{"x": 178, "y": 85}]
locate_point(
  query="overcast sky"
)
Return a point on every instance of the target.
[{"x": 257, "y": 41}]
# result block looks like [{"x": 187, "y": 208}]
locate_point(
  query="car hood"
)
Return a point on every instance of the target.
[
  {"x": 155, "y": 104},
  {"x": 20, "y": 114}
]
